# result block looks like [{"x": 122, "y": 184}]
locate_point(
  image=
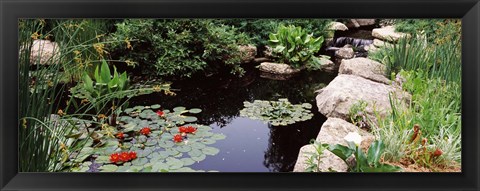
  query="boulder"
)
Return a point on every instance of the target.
[
  {"x": 336, "y": 99},
  {"x": 335, "y": 129},
  {"x": 378, "y": 43},
  {"x": 44, "y": 52},
  {"x": 365, "y": 68},
  {"x": 248, "y": 53},
  {"x": 338, "y": 26},
  {"x": 345, "y": 53},
  {"x": 278, "y": 68},
  {"x": 388, "y": 34},
  {"x": 327, "y": 65},
  {"x": 355, "y": 23},
  {"x": 370, "y": 48},
  {"x": 332, "y": 131}
]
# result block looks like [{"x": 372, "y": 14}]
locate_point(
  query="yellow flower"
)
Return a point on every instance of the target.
[
  {"x": 100, "y": 48},
  {"x": 130, "y": 63},
  {"x": 60, "y": 112},
  {"x": 129, "y": 46},
  {"x": 35, "y": 36}
]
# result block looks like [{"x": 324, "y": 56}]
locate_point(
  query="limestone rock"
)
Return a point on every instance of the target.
[
  {"x": 365, "y": 68},
  {"x": 338, "y": 26},
  {"x": 333, "y": 131},
  {"x": 345, "y": 53},
  {"x": 248, "y": 53},
  {"x": 278, "y": 68},
  {"x": 388, "y": 33},
  {"x": 336, "y": 99},
  {"x": 327, "y": 65},
  {"x": 328, "y": 160},
  {"x": 378, "y": 43},
  {"x": 355, "y": 23},
  {"x": 44, "y": 52}
]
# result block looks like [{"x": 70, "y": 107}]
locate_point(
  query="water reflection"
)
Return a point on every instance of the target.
[{"x": 250, "y": 145}]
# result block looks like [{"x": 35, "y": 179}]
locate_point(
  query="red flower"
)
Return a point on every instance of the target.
[
  {"x": 145, "y": 131},
  {"x": 437, "y": 153},
  {"x": 182, "y": 129},
  {"x": 120, "y": 135},
  {"x": 115, "y": 157},
  {"x": 125, "y": 157},
  {"x": 132, "y": 155},
  {"x": 160, "y": 113},
  {"x": 191, "y": 129},
  {"x": 177, "y": 138}
]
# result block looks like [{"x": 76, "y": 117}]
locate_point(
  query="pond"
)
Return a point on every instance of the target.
[{"x": 251, "y": 145}]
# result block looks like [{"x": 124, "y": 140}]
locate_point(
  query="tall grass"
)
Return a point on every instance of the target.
[
  {"x": 42, "y": 142},
  {"x": 431, "y": 65},
  {"x": 440, "y": 57}
]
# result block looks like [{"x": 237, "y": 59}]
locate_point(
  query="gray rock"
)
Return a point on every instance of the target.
[
  {"x": 44, "y": 52},
  {"x": 278, "y": 68},
  {"x": 248, "y": 53},
  {"x": 336, "y": 99},
  {"x": 388, "y": 34},
  {"x": 378, "y": 43},
  {"x": 355, "y": 23},
  {"x": 345, "y": 53},
  {"x": 333, "y": 131},
  {"x": 327, "y": 65},
  {"x": 371, "y": 48},
  {"x": 338, "y": 26},
  {"x": 365, "y": 68}
]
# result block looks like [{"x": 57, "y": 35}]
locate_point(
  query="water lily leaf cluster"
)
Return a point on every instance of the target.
[
  {"x": 156, "y": 149},
  {"x": 278, "y": 113}
]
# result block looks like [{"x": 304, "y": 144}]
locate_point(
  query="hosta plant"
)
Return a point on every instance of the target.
[
  {"x": 294, "y": 46},
  {"x": 278, "y": 113},
  {"x": 148, "y": 139}
]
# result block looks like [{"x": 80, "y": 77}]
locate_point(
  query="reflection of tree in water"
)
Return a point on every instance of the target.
[{"x": 285, "y": 142}]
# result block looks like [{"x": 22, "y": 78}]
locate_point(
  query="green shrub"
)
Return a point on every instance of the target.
[
  {"x": 180, "y": 47},
  {"x": 294, "y": 46}
]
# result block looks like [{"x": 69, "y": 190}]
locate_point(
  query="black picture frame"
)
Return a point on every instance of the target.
[{"x": 467, "y": 10}]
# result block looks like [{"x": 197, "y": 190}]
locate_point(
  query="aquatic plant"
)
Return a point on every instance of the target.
[
  {"x": 167, "y": 142},
  {"x": 278, "y": 113},
  {"x": 294, "y": 46}
]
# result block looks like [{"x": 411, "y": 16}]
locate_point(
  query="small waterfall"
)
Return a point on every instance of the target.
[{"x": 355, "y": 42}]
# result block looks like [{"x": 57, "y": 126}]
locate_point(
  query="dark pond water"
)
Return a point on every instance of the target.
[{"x": 251, "y": 145}]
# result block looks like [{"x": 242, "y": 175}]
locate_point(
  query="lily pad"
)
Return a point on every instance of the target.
[
  {"x": 210, "y": 151},
  {"x": 109, "y": 168},
  {"x": 179, "y": 109},
  {"x": 156, "y": 106},
  {"x": 278, "y": 113},
  {"x": 195, "y": 110},
  {"x": 174, "y": 163}
]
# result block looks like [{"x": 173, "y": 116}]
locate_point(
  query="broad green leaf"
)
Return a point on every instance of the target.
[
  {"x": 375, "y": 151},
  {"x": 341, "y": 151}
]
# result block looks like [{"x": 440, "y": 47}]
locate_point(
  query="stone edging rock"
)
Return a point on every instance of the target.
[{"x": 353, "y": 84}]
